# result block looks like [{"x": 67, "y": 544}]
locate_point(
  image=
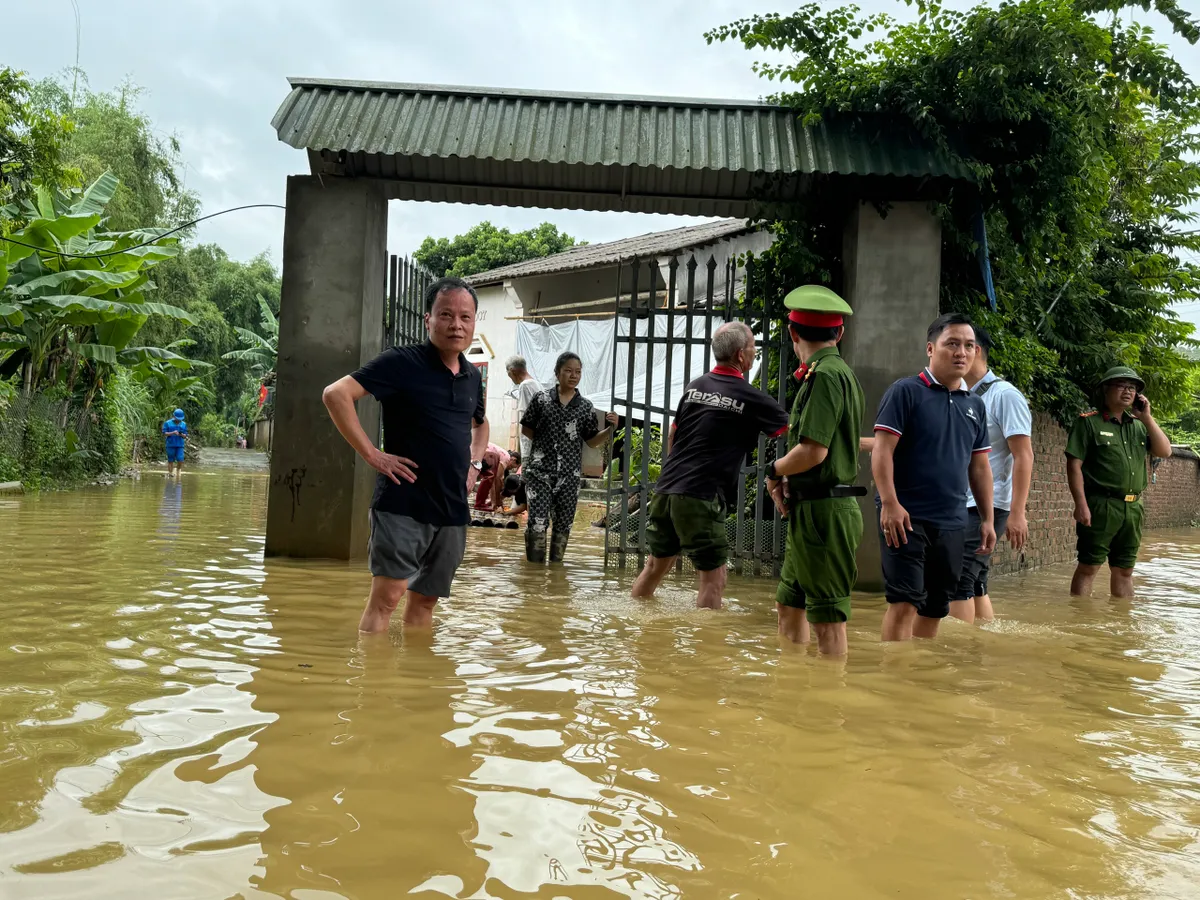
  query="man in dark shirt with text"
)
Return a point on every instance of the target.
[
  {"x": 931, "y": 440},
  {"x": 434, "y": 433},
  {"x": 717, "y": 423}
]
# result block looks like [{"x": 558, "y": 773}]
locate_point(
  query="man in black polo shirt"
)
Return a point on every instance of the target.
[
  {"x": 717, "y": 423},
  {"x": 434, "y": 434},
  {"x": 931, "y": 440}
]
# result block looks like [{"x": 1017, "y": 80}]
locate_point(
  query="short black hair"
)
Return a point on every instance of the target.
[
  {"x": 815, "y": 334},
  {"x": 983, "y": 340},
  {"x": 512, "y": 484},
  {"x": 565, "y": 357},
  {"x": 941, "y": 323},
  {"x": 445, "y": 285}
]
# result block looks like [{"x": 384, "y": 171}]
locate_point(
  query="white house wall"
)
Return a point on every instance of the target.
[{"x": 496, "y": 326}]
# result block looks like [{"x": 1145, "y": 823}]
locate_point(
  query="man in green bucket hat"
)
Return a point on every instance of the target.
[
  {"x": 813, "y": 485},
  {"x": 1106, "y": 471}
]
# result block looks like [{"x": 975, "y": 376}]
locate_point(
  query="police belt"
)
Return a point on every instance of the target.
[
  {"x": 826, "y": 493},
  {"x": 1112, "y": 494}
]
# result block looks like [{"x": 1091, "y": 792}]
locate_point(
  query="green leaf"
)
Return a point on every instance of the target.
[
  {"x": 102, "y": 353},
  {"x": 97, "y": 196},
  {"x": 93, "y": 281}
]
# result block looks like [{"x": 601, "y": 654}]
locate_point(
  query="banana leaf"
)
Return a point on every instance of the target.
[
  {"x": 99, "y": 352},
  {"x": 97, "y": 196}
]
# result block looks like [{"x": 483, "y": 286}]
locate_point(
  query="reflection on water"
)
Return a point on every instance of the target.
[{"x": 179, "y": 720}]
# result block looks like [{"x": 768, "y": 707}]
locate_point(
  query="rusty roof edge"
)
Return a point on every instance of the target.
[
  {"x": 688, "y": 237},
  {"x": 399, "y": 87}
]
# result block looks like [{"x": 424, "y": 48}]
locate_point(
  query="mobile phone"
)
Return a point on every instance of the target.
[{"x": 1140, "y": 403}]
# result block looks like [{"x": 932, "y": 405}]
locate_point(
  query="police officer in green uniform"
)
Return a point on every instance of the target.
[
  {"x": 1106, "y": 471},
  {"x": 818, "y": 497}
]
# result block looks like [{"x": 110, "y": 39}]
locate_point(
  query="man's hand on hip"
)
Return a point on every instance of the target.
[{"x": 394, "y": 467}]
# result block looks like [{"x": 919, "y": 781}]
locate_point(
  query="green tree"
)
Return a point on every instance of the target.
[
  {"x": 1082, "y": 132},
  {"x": 487, "y": 247},
  {"x": 69, "y": 310},
  {"x": 221, "y": 296},
  {"x": 260, "y": 348},
  {"x": 110, "y": 133},
  {"x": 31, "y": 142}
]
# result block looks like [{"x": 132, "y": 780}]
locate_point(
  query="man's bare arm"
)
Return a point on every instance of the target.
[
  {"x": 979, "y": 475},
  {"x": 1021, "y": 448},
  {"x": 1083, "y": 515},
  {"x": 804, "y": 456},
  {"x": 894, "y": 520},
  {"x": 883, "y": 451},
  {"x": 340, "y": 399}
]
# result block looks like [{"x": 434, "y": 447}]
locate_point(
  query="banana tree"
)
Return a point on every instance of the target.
[
  {"x": 166, "y": 375},
  {"x": 74, "y": 313},
  {"x": 261, "y": 350}
]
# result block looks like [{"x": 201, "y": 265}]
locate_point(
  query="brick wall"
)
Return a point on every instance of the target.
[{"x": 1172, "y": 500}]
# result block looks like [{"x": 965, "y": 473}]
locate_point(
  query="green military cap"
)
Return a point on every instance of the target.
[
  {"x": 812, "y": 304},
  {"x": 1123, "y": 372}
]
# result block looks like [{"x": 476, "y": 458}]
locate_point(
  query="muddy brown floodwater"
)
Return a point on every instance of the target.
[{"x": 179, "y": 720}]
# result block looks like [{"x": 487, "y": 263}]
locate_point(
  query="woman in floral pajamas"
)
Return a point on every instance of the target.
[{"x": 559, "y": 421}]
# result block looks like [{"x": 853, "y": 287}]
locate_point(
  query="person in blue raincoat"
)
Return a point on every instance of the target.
[{"x": 175, "y": 430}]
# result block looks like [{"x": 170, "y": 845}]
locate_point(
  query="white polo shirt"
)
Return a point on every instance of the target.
[{"x": 1008, "y": 415}]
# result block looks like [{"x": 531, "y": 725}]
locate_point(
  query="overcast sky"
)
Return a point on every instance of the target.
[{"x": 215, "y": 72}]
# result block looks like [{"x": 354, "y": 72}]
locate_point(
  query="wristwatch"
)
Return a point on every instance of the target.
[
  {"x": 772, "y": 475},
  {"x": 477, "y": 465}
]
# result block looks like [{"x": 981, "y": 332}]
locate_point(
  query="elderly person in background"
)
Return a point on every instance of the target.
[
  {"x": 527, "y": 388},
  {"x": 717, "y": 422}
]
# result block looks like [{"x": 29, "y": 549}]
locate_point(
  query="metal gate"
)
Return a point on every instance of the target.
[
  {"x": 404, "y": 308},
  {"x": 665, "y": 318}
]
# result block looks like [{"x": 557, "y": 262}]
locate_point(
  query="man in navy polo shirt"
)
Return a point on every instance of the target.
[
  {"x": 434, "y": 434},
  {"x": 931, "y": 441}
]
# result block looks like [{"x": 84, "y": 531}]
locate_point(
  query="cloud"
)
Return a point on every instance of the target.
[{"x": 215, "y": 72}]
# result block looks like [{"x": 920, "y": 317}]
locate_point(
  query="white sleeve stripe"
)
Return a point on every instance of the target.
[{"x": 881, "y": 427}]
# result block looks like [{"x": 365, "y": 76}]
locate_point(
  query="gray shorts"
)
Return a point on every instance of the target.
[
  {"x": 426, "y": 556},
  {"x": 974, "y": 579}
]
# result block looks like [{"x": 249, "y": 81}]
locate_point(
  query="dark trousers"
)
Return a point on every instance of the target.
[
  {"x": 552, "y": 501},
  {"x": 924, "y": 571}
]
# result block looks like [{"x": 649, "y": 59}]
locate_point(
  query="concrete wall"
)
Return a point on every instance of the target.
[
  {"x": 891, "y": 277},
  {"x": 259, "y": 437},
  {"x": 331, "y": 307}
]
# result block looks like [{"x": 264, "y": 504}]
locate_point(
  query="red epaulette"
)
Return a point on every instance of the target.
[{"x": 1091, "y": 412}]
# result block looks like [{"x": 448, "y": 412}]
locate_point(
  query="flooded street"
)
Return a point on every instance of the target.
[{"x": 179, "y": 720}]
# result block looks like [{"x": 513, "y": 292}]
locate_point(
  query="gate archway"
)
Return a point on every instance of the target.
[{"x": 371, "y": 142}]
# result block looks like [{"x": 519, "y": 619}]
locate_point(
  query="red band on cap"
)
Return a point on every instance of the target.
[{"x": 815, "y": 319}]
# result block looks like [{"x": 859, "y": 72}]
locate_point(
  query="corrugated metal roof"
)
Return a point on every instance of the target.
[
  {"x": 704, "y": 157},
  {"x": 657, "y": 243}
]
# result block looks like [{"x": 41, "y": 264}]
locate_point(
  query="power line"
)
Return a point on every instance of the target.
[{"x": 165, "y": 234}]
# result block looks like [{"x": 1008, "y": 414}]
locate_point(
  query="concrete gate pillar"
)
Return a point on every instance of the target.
[
  {"x": 330, "y": 322},
  {"x": 892, "y": 276}
]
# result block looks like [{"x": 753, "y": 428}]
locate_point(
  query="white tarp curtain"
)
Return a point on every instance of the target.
[{"x": 593, "y": 341}]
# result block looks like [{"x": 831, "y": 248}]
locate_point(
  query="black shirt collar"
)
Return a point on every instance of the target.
[{"x": 435, "y": 360}]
